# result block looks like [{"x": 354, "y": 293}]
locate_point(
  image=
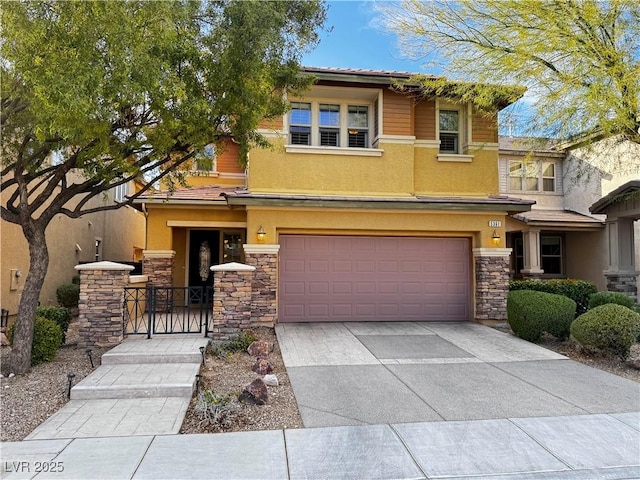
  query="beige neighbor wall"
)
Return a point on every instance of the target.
[{"x": 121, "y": 232}]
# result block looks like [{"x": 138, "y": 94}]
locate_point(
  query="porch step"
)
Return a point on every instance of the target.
[
  {"x": 138, "y": 381},
  {"x": 160, "y": 350}
]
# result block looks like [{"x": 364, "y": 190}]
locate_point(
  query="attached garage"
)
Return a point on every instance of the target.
[{"x": 368, "y": 278}]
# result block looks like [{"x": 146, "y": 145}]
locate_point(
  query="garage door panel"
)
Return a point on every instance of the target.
[{"x": 334, "y": 278}]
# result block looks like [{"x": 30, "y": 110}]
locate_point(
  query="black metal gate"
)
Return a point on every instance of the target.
[{"x": 164, "y": 310}]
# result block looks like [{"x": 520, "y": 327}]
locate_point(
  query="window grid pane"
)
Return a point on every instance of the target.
[
  {"x": 357, "y": 139},
  {"x": 449, "y": 142},
  {"x": 448, "y": 120},
  {"x": 551, "y": 254},
  {"x": 329, "y": 137},
  {"x": 300, "y": 123},
  {"x": 329, "y": 115}
]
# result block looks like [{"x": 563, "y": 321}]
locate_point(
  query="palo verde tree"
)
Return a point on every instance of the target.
[
  {"x": 580, "y": 59},
  {"x": 117, "y": 91}
]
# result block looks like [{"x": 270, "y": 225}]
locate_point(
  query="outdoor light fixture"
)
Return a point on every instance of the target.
[
  {"x": 198, "y": 378},
  {"x": 89, "y": 352},
  {"x": 202, "y": 353},
  {"x": 70, "y": 377},
  {"x": 495, "y": 238},
  {"x": 261, "y": 234}
]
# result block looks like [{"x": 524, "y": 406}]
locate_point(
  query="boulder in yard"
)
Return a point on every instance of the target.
[
  {"x": 262, "y": 366},
  {"x": 271, "y": 380},
  {"x": 260, "y": 349},
  {"x": 255, "y": 392}
]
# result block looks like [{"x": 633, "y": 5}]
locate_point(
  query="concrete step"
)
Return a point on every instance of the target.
[
  {"x": 161, "y": 350},
  {"x": 138, "y": 381}
]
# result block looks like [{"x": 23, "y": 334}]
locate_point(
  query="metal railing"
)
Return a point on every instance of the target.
[{"x": 165, "y": 310}]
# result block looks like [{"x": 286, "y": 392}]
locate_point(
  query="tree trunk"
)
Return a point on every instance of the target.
[{"x": 20, "y": 358}]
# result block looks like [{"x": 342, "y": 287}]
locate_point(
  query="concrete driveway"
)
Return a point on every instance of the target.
[{"x": 388, "y": 373}]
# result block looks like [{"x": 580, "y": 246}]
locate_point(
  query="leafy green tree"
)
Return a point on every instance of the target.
[
  {"x": 580, "y": 59},
  {"x": 118, "y": 91}
]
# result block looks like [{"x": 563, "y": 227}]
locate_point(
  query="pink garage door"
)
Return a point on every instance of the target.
[{"x": 336, "y": 278}]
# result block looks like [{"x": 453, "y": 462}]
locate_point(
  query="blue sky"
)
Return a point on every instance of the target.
[{"x": 356, "y": 41}]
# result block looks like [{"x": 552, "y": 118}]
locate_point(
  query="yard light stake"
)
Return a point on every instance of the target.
[
  {"x": 89, "y": 352},
  {"x": 202, "y": 353},
  {"x": 70, "y": 377}
]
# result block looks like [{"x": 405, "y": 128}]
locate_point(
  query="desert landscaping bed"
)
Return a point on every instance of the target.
[{"x": 28, "y": 400}]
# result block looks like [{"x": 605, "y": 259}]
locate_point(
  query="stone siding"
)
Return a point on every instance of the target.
[
  {"x": 231, "y": 304},
  {"x": 159, "y": 271},
  {"x": 492, "y": 286},
  {"x": 265, "y": 283},
  {"x": 623, "y": 283},
  {"x": 100, "y": 307}
]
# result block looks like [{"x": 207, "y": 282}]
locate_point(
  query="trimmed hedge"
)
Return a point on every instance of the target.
[
  {"x": 68, "y": 295},
  {"x": 531, "y": 313},
  {"x": 60, "y": 315},
  {"x": 47, "y": 338},
  {"x": 602, "y": 298},
  {"x": 610, "y": 327},
  {"x": 577, "y": 290}
]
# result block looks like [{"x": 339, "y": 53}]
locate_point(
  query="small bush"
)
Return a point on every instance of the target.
[
  {"x": 609, "y": 327},
  {"x": 68, "y": 295},
  {"x": 75, "y": 279},
  {"x": 215, "y": 409},
  {"x": 602, "y": 298},
  {"x": 60, "y": 315},
  {"x": 577, "y": 290},
  {"x": 238, "y": 344},
  {"x": 47, "y": 338},
  {"x": 531, "y": 313}
]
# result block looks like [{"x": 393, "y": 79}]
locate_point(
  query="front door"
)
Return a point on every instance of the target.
[{"x": 204, "y": 252}]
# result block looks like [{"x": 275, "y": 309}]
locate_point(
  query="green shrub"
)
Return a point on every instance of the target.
[
  {"x": 609, "y": 327},
  {"x": 577, "y": 290},
  {"x": 68, "y": 295},
  {"x": 47, "y": 338},
  {"x": 602, "y": 298},
  {"x": 60, "y": 315},
  {"x": 75, "y": 279},
  {"x": 531, "y": 313},
  {"x": 238, "y": 344}
]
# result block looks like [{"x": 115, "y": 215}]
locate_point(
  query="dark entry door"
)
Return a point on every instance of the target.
[{"x": 204, "y": 252}]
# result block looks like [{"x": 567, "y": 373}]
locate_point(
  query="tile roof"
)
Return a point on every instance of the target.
[
  {"x": 557, "y": 217},
  {"x": 358, "y": 71},
  {"x": 208, "y": 193},
  {"x": 527, "y": 144}
]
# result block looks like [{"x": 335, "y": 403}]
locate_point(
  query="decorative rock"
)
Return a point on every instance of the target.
[
  {"x": 255, "y": 392},
  {"x": 262, "y": 366},
  {"x": 11, "y": 375},
  {"x": 271, "y": 381},
  {"x": 259, "y": 349}
]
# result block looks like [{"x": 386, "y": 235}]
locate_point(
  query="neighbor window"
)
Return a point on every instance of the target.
[
  {"x": 551, "y": 254},
  {"x": 206, "y": 160},
  {"x": 329, "y": 124},
  {"x": 532, "y": 176},
  {"x": 449, "y": 123},
  {"x": 120, "y": 192}
]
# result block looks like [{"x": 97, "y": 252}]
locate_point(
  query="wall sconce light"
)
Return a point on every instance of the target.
[
  {"x": 495, "y": 238},
  {"x": 261, "y": 234}
]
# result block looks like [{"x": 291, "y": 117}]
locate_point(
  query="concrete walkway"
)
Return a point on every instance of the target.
[
  {"x": 545, "y": 448},
  {"x": 143, "y": 387}
]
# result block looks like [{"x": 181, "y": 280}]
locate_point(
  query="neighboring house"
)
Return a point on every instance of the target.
[
  {"x": 371, "y": 205},
  {"x": 116, "y": 235},
  {"x": 560, "y": 237}
]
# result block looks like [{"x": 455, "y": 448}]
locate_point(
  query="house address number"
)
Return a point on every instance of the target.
[{"x": 495, "y": 223}]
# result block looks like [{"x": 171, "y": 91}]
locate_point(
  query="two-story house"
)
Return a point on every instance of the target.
[
  {"x": 562, "y": 236},
  {"x": 372, "y": 204}
]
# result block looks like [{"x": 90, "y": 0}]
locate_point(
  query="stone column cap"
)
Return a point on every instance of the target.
[
  {"x": 232, "y": 267},
  {"x": 104, "y": 266},
  {"x": 492, "y": 252},
  {"x": 268, "y": 248},
  {"x": 158, "y": 253}
]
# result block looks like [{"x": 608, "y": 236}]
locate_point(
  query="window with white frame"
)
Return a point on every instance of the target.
[
  {"x": 325, "y": 124},
  {"x": 532, "y": 176},
  {"x": 120, "y": 192},
  {"x": 449, "y": 124}
]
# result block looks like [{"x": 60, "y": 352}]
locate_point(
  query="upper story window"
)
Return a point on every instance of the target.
[
  {"x": 334, "y": 124},
  {"x": 532, "y": 176},
  {"x": 449, "y": 124},
  {"x": 120, "y": 192},
  {"x": 206, "y": 160}
]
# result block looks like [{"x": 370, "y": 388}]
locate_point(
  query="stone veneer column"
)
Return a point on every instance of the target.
[
  {"x": 265, "y": 282},
  {"x": 231, "y": 299},
  {"x": 492, "y": 283},
  {"x": 157, "y": 265},
  {"x": 101, "y": 302}
]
